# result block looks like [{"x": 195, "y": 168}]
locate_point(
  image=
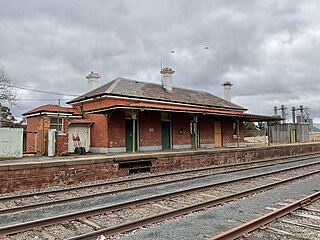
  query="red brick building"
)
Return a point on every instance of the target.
[
  {"x": 129, "y": 115},
  {"x": 43, "y": 118}
]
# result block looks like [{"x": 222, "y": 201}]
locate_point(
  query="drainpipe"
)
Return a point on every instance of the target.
[
  {"x": 42, "y": 140},
  {"x": 57, "y": 132},
  {"x": 195, "y": 122},
  {"x": 238, "y": 132},
  {"x": 134, "y": 134},
  {"x": 268, "y": 124}
]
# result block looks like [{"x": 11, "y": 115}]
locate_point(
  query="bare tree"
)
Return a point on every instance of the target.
[{"x": 7, "y": 92}]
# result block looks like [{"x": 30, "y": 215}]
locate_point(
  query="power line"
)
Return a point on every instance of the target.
[
  {"x": 42, "y": 91},
  {"x": 44, "y": 99}
]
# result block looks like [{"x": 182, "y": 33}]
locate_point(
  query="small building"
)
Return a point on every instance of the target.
[
  {"x": 126, "y": 115},
  {"x": 40, "y": 120}
]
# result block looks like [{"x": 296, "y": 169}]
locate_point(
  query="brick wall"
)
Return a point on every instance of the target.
[
  {"x": 62, "y": 143},
  {"x": 99, "y": 130},
  {"x": 149, "y": 128},
  {"x": 28, "y": 176},
  {"x": 206, "y": 125},
  {"x": 180, "y": 121},
  {"x": 228, "y": 156},
  {"x": 227, "y": 131},
  {"x": 58, "y": 174},
  {"x": 112, "y": 101},
  {"x": 117, "y": 130},
  {"x": 37, "y": 135}
]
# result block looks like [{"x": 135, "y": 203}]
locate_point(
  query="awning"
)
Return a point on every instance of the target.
[
  {"x": 244, "y": 116},
  {"x": 260, "y": 118}
]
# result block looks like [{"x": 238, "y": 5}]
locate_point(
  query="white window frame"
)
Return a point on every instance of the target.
[{"x": 57, "y": 124}]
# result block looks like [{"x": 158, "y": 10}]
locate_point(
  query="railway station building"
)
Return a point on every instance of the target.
[{"x": 126, "y": 115}]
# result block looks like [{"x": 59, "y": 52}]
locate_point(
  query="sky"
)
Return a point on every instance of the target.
[{"x": 268, "y": 49}]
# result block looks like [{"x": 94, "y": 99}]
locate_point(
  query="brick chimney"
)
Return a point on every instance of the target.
[
  {"x": 93, "y": 80},
  {"x": 167, "y": 78},
  {"x": 227, "y": 90}
]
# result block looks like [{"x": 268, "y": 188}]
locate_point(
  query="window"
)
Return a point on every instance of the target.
[
  {"x": 165, "y": 116},
  {"x": 56, "y": 123}
]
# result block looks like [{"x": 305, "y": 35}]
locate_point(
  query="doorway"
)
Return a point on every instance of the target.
[
  {"x": 166, "y": 134},
  {"x": 131, "y": 135},
  {"x": 217, "y": 134}
]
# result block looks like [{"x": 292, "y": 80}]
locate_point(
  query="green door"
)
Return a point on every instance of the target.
[
  {"x": 129, "y": 135},
  {"x": 165, "y": 134}
]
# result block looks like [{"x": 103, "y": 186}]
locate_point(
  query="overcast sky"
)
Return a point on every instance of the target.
[{"x": 269, "y": 50}]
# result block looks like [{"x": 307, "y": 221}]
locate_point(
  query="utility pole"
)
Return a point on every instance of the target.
[
  {"x": 284, "y": 113},
  {"x": 293, "y": 115},
  {"x": 304, "y": 114},
  {"x": 58, "y": 124}
]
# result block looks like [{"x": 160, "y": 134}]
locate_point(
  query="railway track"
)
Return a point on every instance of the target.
[
  {"x": 125, "y": 216},
  {"x": 297, "y": 220},
  {"x": 10, "y": 204}
]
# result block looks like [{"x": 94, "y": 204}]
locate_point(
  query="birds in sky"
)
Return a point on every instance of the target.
[{"x": 206, "y": 48}]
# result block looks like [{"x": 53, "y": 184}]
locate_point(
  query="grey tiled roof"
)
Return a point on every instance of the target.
[{"x": 132, "y": 88}]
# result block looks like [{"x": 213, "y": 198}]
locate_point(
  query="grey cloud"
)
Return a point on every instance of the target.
[{"x": 267, "y": 48}]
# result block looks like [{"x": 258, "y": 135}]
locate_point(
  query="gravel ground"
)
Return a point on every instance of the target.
[
  {"x": 208, "y": 223},
  {"x": 303, "y": 220},
  {"x": 8, "y": 219},
  {"x": 297, "y": 231}
]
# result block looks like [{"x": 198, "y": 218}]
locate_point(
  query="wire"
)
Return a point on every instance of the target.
[
  {"x": 45, "y": 99},
  {"x": 41, "y": 91}
]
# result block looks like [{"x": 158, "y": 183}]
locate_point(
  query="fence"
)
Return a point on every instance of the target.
[
  {"x": 289, "y": 133},
  {"x": 255, "y": 137}
]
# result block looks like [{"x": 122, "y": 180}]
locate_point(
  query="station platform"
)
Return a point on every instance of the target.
[{"x": 36, "y": 172}]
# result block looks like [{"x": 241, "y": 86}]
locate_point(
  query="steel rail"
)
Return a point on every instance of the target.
[
  {"x": 88, "y": 196},
  {"x": 182, "y": 211},
  {"x": 85, "y": 213},
  {"x": 265, "y": 219},
  {"x": 70, "y": 189}
]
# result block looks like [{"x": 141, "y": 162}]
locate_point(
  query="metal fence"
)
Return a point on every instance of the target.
[{"x": 255, "y": 137}]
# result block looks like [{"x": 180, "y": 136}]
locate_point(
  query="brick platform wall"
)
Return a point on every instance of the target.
[
  {"x": 208, "y": 158},
  {"x": 28, "y": 176}
]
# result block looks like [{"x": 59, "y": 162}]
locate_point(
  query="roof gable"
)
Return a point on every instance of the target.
[{"x": 52, "y": 108}]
